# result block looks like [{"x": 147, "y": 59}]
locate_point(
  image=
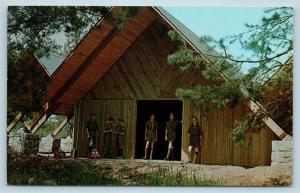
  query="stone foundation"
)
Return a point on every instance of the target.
[
  {"x": 22, "y": 142},
  {"x": 66, "y": 144},
  {"x": 282, "y": 152},
  {"x": 48, "y": 144}
]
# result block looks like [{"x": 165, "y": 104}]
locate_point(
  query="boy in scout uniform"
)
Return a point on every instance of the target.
[
  {"x": 150, "y": 134},
  {"x": 120, "y": 131},
  {"x": 195, "y": 137},
  {"x": 170, "y": 134},
  {"x": 92, "y": 131},
  {"x": 107, "y": 135}
]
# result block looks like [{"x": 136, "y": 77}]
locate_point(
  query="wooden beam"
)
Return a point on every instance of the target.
[
  {"x": 61, "y": 126},
  {"x": 14, "y": 122},
  {"x": 83, "y": 67},
  {"x": 39, "y": 119},
  {"x": 174, "y": 27},
  {"x": 255, "y": 106},
  {"x": 39, "y": 123}
]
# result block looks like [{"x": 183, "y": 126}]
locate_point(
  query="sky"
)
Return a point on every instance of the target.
[
  {"x": 216, "y": 22},
  {"x": 219, "y": 22}
]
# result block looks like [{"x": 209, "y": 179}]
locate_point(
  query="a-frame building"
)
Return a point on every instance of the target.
[{"x": 125, "y": 74}]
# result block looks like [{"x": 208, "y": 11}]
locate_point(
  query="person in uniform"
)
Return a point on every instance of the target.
[
  {"x": 92, "y": 131},
  {"x": 120, "y": 131},
  {"x": 107, "y": 136},
  {"x": 150, "y": 134},
  {"x": 195, "y": 137},
  {"x": 170, "y": 134}
]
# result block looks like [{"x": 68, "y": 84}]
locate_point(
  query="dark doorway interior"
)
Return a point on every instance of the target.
[{"x": 161, "y": 109}]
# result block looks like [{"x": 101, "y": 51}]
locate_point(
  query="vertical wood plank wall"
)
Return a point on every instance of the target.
[
  {"x": 118, "y": 108},
  {"x": 144, "y": 73},
  {"x": 218, "y": 146}
]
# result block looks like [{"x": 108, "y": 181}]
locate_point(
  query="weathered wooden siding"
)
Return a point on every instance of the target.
[
  {"x": 218, "y": 146},
  {"x": 144, "y": 73},
  {"x": 118, "y": 108}
]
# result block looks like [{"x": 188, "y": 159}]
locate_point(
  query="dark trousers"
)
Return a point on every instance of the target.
[
  {"x": 107, "y": 146},
  {"x": 119, "y": 144}
]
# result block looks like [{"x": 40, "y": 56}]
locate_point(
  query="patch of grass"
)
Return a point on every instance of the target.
[
  {"x": 38, "y": 170},
  {"x": 165, "y": 178},
  {"x": 57, "y": 172}
]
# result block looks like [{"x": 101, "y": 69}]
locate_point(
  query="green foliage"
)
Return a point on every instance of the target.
[
  {"x": 280, "y": 98},
  {"x": 207, "y": 96},
  {"x": 50, "y": 125},
  {"x": 11, "y": 114},
  {"x": 175, "y": 36},
  {"x": 249, "y": 124},
  {"x": 123, "y": 15},
  {"x": 39, "y": 170},
  {"x": 269, "y": 45},
  {"x": 184, "y": 58},
  {"x": 41, "y": 28},
  {"x": 42, "y": 171},
  {"x": 24, "y": 93},
  {"x": 36, "y": 27},
  {"x": 167, "y": 178}
]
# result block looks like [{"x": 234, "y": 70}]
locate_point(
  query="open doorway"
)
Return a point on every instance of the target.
[{"x": 161, "y": 109}]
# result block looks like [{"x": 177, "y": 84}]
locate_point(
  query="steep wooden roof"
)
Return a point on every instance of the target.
[
  {"x": 27, "y": 57},
  {"x": 99, "y": 50}
]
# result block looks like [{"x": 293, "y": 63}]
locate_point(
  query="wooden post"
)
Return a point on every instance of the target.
[
  {"x": 39, "y": 119},
  {"x": 39, "y": 123},
  {"x": 255, "y": 106},
  {"x": 61, "y": 125},
  {"x": 14, "y": 122},
  {"x": 53, "y": 103},
  {"x": 186, "y": 116}
]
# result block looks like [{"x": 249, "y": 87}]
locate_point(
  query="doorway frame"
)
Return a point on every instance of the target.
[{"x": 133, "y": 156}]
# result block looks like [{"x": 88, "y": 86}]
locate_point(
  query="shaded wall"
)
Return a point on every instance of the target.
[
  {"x": 143, "y": 73},
  {"x": 104, "y": 108},
  {"x": 218, "y": 146}
]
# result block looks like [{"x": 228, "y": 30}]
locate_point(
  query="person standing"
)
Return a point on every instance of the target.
[
  {"x": 92, "y": 131},
  {"x": 170, "y": 134},
  {"x": 150, "y": 135},
  {"x": 120, "y": 131},
  {"x": 195, "y": 137},
  {"x": 107, "y": 137}
]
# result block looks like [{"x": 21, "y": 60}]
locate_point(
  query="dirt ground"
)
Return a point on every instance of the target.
[{"x": 227, "y": 175}]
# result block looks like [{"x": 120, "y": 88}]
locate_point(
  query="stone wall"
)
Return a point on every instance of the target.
[
  {"x": 66, "y": 144},
  {"x": 282, "y": 151},
  {"x": 22, "y": 142},
  {"x": 48, "y": 144}
]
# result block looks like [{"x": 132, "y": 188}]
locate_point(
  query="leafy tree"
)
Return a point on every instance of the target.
[
  {"x": 39, "y": 28},
  {"x": 35, "y": 26},
  {"x": 268, "y": 48}
]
